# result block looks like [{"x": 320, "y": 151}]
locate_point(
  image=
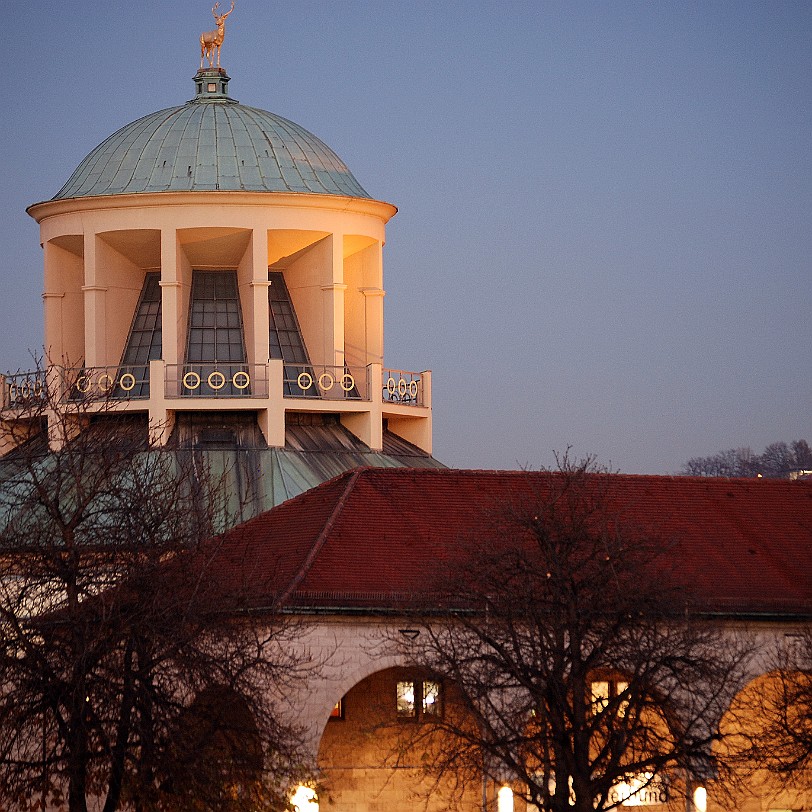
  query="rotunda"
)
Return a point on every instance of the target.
[{"x": 213, "y": 267}]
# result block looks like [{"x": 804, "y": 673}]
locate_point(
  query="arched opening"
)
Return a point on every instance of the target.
[
  {"x": 382, "y": 746},
  {"x": 767, "y": 729}
]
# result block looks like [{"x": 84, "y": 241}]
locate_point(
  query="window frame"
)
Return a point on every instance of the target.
[{"x": 420, "y": 712}]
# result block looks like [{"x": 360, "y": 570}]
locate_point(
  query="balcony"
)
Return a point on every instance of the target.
[
  {"x": 255, "y": 382},
  {"x": 402, "y": 387},
  {"x": 24, "y": 391},
  {"x": 216, "y": 381},
  {"x": 367, "y": 398},
  {"x": 27, "y": 391},
  {"x": 325, "y": 382}
]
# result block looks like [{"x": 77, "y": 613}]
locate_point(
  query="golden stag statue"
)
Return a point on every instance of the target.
[{"x": 209, "y": 40}]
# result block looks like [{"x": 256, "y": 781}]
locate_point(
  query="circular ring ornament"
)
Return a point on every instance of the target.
[
  {"x": 191, "y": 376},
  {"x": 347, "y": 382},
  {"x": 25, "y": 389},
  {"x": 218, "y": 376},
  {"x": 304, "y": 381},
  {"x": 83, "y": 383},
  {"x": 326, "y": 386},
  {"x": 245, "y": 380},
  {"x": 391, "y": 385},
  {"x": 127, "y": 381},
  {"x": 403, "y": 387},
  {"x": 105, "y": 387},
  {"x": 413, "y": 388}
]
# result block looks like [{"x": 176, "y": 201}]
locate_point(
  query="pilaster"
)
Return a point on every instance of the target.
[
  {"x": 373, "y": 324},
  {"x": 170, "y": 297},
  {"x": 333, "y": 308},
  {"x": 258, "y": 339},
  {"x": 94, "y": 306}
]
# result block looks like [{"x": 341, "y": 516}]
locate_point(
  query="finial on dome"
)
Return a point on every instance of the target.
[{"x": 209, "y": 40}]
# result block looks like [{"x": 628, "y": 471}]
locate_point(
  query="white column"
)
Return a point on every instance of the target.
[
  {"x": 373, "y": 324},
  {"x": 170, "y": 297},
  {"x": 257, "y": 337},
  {"x": 94, "y": 306}
]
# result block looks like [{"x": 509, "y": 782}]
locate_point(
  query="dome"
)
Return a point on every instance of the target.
[{"x": 211, "y": 143}]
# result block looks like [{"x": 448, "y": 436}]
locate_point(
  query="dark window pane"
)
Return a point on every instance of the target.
[
  {"x": 215, "y": 321},
  {"x": 144, "y": 341},
  {"x": 285, "y": 340}
]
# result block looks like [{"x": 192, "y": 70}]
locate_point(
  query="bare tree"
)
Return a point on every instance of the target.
[
  {"x": 778, "y": 461},
  {"x": 112, "y": 630},
  {"x": 580, "y": 677}
]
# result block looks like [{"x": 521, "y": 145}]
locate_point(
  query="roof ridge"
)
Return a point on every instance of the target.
[
  {"x": 616, "y": 475},
  {"x": 322, "y": 537}
]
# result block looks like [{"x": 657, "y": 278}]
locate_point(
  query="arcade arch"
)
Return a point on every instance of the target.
[
  {"x": 381, "y": 737},
  {"x": 758, "y": 727}
]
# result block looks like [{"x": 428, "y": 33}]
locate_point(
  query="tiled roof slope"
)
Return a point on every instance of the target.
[{"x": 376, "y": 538}]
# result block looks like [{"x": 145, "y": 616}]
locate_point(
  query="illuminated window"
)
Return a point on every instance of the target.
[
  {"x": 605, "y": 691},
  {"x": 338, "y": 710},
  {"x": 417, "y": 699},
  {"x": 431, "y": 698},
  {"x": 405, "y": 700}
]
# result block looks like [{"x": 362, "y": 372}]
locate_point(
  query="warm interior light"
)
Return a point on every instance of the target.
[
  {"x": 304, "y": 799},
  {"x": 504, "y": 800},
  {"x": 701, "y": 799}
]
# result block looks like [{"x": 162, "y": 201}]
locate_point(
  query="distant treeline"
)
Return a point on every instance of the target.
[{"x": 777, "y": 461}]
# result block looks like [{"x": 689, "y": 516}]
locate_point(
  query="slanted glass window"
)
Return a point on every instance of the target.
[
  {"x": 285, "y": 338},
  {"x": 418, "y": 699},
  {"x": 215, "y": 339},
  {"x": 144, "y": 343}
]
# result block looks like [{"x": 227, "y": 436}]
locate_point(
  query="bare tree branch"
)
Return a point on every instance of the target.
[
  {"x": 581, "y": 673},
  {"x": 114, "y": 650}
]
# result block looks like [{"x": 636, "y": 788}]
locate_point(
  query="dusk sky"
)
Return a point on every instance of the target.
[{"x": 604, "y": 237}]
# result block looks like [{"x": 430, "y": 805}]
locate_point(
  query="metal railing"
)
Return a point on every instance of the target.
[
  {"x": 326, "y": 382},
  {"x": 215, "y": 380},
  {"x": 210, "y": 380},
  {"x": 400, "y": 386},
  {"x": 27, "y": 390},
  {"x": 24, "y": 390},
  {"x": 104, "y": 383}
]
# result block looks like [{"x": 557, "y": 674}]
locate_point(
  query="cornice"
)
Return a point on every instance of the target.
[{"x": 145, "y": 200}]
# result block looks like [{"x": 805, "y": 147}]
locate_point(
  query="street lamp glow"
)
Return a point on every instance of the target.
[
  {"x": 504, "y": 800},
  {"x": 305, "y": 799}
]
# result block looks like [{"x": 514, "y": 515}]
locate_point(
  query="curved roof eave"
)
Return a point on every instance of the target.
[{"x": 361, "y": 205}]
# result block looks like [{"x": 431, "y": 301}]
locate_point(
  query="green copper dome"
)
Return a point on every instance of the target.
[{"x": 211, "y": 143}]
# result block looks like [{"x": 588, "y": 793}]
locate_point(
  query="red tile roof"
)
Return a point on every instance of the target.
[{"x": 376, "y": 538}]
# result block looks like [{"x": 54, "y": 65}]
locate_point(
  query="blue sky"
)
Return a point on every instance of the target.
[{"x": 605, "y": 227}]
